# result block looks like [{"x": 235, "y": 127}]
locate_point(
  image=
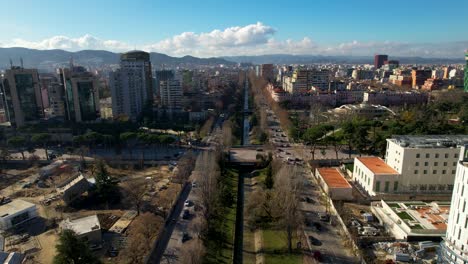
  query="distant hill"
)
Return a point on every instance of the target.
[
  {"x": 51, "y": 59},
  {"x": 309, "y": 59}
]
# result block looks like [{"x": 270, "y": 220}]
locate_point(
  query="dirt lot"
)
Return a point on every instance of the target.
[{"x": 161, "y": 195}]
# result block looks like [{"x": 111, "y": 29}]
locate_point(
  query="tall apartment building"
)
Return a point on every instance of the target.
[
  {"x": 162, "y": 75},
  {"x": 56, "y": 100},
  {"x": 466, "y": 72},
  {"x": 419, "y": 77},
  {"x": 454, "y": 247},
  {"x": 416, "y": 164},
  {"x": 22, "y": 96},
  {"x": 302, "y": 81},
  {"x": 81, "y": 94},
  {"x": 267, "y": 72},
  {"x": 171, "y": 94},
  {"x": 379, "y": 60},
  {"x": 131, "y": 85}
]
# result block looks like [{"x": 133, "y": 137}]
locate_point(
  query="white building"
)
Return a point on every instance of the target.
[
  {"x": 171, "y": 94},
  {"x": 427, "y": 164},
  {"x": 454, "y": 248},
  {"x": 374, "y": 176},
  {"x": 131, "y": 85},
  {"x": 88, "y": 228},
  {"x": 16, "y": 212}
]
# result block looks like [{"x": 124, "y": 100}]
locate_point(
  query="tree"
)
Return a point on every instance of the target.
[
  {"x": 127, "y": 137},
  {"x": 73, "y": 250},
  {"x": 106, "y": 186},
  {"x": 348, "y": 129},
  {"x": 287, "y": 193},
  {"x": 193, "y": 252},
  {"x": 4, "y": 155},
  {"x": 42, "y": 138},
  {"x": 269, "y": 177},
  {"x": 17, "y": 142},
  {"x": 315, "y": 135},
  {"x": 135, "y": 191},
  {"x": 227, "y": 134},
  {"x": 335, "y": 141}
]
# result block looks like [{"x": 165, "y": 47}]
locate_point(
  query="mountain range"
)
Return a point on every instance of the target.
[
  {"x": 48, "y": 60},
  {"x": 51, "y": 59}
]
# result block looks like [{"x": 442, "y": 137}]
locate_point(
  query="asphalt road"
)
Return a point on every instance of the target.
[{"x": 161, "y": 243}]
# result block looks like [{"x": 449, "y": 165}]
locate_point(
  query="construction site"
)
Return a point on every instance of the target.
[{"x": 38, "y": 203}]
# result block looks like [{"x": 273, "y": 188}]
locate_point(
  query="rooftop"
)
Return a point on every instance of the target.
[
  {"x": 14, "y": 207},
  {"x": 421, "y": 215},
  {"x": 377, "y": 165},
  {"x": 333, "y": 178},
  {"x": 82, "y": 225},
  {"x": 430, "y": 141}
]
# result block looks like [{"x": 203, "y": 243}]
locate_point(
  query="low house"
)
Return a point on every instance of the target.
[
  {"x": 87, "y": 228},
  {"x": 374, "y": 176},
  {"x": 73, "y": 188},
  {"x": 334, "y": 184},
  {"x": 16, "y": 212}
]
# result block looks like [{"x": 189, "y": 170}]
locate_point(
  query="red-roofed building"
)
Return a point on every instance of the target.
[
  {"x": 375, "y": 176},
  {"x": 334, "y": 184}
]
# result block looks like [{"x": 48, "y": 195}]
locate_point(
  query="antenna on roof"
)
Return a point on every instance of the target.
[
  {"x": 21, "y": 62},
  {"x": 11, "y": 63}
]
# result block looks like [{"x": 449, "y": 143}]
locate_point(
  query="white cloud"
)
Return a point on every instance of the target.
[{"x": 253, "y": 39}]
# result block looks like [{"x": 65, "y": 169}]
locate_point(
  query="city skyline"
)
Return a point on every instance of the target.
[{"x": 211, "y": 29}]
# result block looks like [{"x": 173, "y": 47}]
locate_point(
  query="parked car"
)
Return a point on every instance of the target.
[
  {"x": 314, "y": 241},
  {"x": 185, "y": 237},
  {"x": 188, "y": 203},
  {"x": 324, "y": 217},
  {"x": 186, "y": 214}
]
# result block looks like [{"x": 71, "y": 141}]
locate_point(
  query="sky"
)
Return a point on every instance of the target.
[{"x": 210, "y": 28}]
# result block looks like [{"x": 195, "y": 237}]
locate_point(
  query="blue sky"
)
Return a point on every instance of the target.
[{"x": 419, "y": 27}]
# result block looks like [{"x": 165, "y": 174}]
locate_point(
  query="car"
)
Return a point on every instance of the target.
[
  {"x": 280, "y": 150},
  {"x": 259, "y": 149},
  {"x": 186, "y": 214},
  {"x": 317, "y": 255},
  {"x": 309, "y": 200},
  {"x": 185, "y": 237},
  {"x": 317, "y": 226},
  {"x": 188, "y": 203},
  {"x": 314, "y": 241},
  {"x": 288, "y": 153},
  {"x": 194, "y": 184},
  {"x": 324, "y": 217}
]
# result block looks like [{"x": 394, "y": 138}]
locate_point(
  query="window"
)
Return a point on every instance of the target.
[
  {"x": 387, "y": 186},
  {"x": 436, "y": 163},
  {"x": 423, "y": 187},
  {"x": 418, "y": 155},
  {"x": 377, "y": 186},
  {"x": 453, "y": 171},
  {"x": 466, "y": 223},
  {"x": 426, "y": 163},
  {"x": 395, "y": 188},
  {"x": 437, "y": 155},
  {"x": 458, "y": 218},
  {"x": 416, "y": 164},
  {"x": 455, "y": 163},
  {"x": 456, "y": 155},
  {"x": 434, "y": 171},
  {"x": 444, "y": 171},
  {"x": 450, "y": 187},
  {"x": 432, "y": 187},
  {"x": 427, "y": 155},
  {"x": 445, "y": 163},
  {"x": 425, "y": 172},
  {"x": 413, "y": 187},
  {"x": 446, "y": 155},
  {"x": 441, "y": 187},
  {"x": 415, "y": 171}
]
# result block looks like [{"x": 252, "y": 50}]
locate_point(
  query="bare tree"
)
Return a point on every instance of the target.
[
  {"x": 193, "y": 252},
  {"x": 206, "y": 128},
  {"x": 185, "y": 166},
  {"x": 207, "y": 175},
  {"x": 227, "y": 134},
  {"x": 287, "y": 193},
  {"x": 135, "y": 191}
]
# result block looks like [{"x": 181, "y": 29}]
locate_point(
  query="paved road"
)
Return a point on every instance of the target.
[{"x": 161, "y": 243}]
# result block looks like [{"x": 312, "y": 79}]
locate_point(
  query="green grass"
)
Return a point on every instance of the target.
[
  {"x": 394, "y": 205},
  {"x": 350, "y": 167},
  {"x": 275, "y": 247},
  {"x": 405, "y": 216},
  {"x": 225, "y": 256}
]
